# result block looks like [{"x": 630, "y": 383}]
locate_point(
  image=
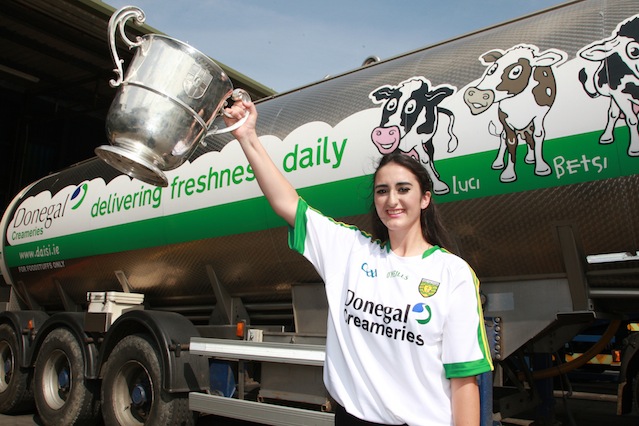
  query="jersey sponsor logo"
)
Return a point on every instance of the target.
[
  {"x": 428, "y": 288},
  {"x": 370, "y": 273},
  {"x": 386, "y": 321}
]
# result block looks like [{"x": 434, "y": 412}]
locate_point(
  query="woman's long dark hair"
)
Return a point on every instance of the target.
[{"x": 433, "y": 229}]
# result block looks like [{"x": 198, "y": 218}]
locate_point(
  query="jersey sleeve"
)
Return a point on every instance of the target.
[{"x": 465, "y": 349}]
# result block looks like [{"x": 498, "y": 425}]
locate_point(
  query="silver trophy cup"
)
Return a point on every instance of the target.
[{"x": 165, "y": 104}]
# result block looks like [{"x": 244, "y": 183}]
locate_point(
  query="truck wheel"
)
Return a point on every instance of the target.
[
  {"x": 132, "y": 390},
  {"x": 15, "y": 393},
  {"x": 62, "y": 394}
]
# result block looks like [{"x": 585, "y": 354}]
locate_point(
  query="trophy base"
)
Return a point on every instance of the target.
[{"x": 132, "y": 164}]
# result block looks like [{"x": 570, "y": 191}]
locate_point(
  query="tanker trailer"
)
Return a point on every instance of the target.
[{"x": 137, "y": 295}]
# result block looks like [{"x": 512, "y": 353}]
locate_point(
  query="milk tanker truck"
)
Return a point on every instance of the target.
[{"x": 149, "y": 302}]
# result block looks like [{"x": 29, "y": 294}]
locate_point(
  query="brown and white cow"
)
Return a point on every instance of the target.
[
  {"x": 616, "y": 77},
  {"x": 410, "y": 117},
  {"x": 521, "y": 81}
]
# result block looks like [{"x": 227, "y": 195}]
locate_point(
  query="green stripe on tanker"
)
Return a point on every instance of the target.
[{"x": 472, "y": 178}]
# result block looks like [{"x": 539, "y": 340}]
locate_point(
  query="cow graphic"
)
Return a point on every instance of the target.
[
  {"x": 616, "y": 77},
  {"x": 521, "y": 81},
  {"x": 410, "y": 117}
]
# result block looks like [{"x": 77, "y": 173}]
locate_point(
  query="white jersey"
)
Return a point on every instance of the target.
[{"x": 398, "y": 327}]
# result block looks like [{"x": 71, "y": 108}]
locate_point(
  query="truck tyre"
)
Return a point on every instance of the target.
[
  {"x": 15, "y": 393},
  {"x": 62, "y": 395},
  {"x": 132, "y": 390}
]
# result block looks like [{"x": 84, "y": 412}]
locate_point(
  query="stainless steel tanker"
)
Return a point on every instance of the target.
[{"x": 528, "y": 130}]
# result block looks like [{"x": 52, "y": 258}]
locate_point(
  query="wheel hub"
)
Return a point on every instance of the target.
[
  {"x": 138, "y": 395},
  {"x": 8, "y": 369},
  {"x": 64, "y": 380}
]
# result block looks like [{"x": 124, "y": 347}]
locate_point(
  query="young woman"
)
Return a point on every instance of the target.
[{"x": 405, "y": 336}]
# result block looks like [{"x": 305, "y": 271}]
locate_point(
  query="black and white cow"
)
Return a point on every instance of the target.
[
  {"x": 521, "y": 81},
  {"x": 410, "y": 116},
  {"x": 616, "y": 77}
]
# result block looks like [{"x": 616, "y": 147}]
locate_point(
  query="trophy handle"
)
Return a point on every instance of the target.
[
  {"x": 118, "y": 20},
  {"x": 236, "y": 95}
]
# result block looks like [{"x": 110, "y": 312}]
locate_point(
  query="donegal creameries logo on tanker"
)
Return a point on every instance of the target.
[
  {"x": 33, "y": 219},
  {"x": 43, "y": 216}
]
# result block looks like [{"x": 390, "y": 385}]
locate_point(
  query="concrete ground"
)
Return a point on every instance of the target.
[{"x": 34, "y": 420}]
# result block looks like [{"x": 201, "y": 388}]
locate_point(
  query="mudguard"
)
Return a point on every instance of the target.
[{"x": 181, "y": 371}]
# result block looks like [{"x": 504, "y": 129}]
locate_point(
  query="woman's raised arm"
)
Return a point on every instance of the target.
[{"x": 277, "y": 189}]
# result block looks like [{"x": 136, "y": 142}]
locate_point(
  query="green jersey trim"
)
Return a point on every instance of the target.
[
  {"x": 297, "y": 233},
  {"x": 482, "y": 338},
  {"x": 467, "y": 369},
  {"x": 430, "y": 251}
]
